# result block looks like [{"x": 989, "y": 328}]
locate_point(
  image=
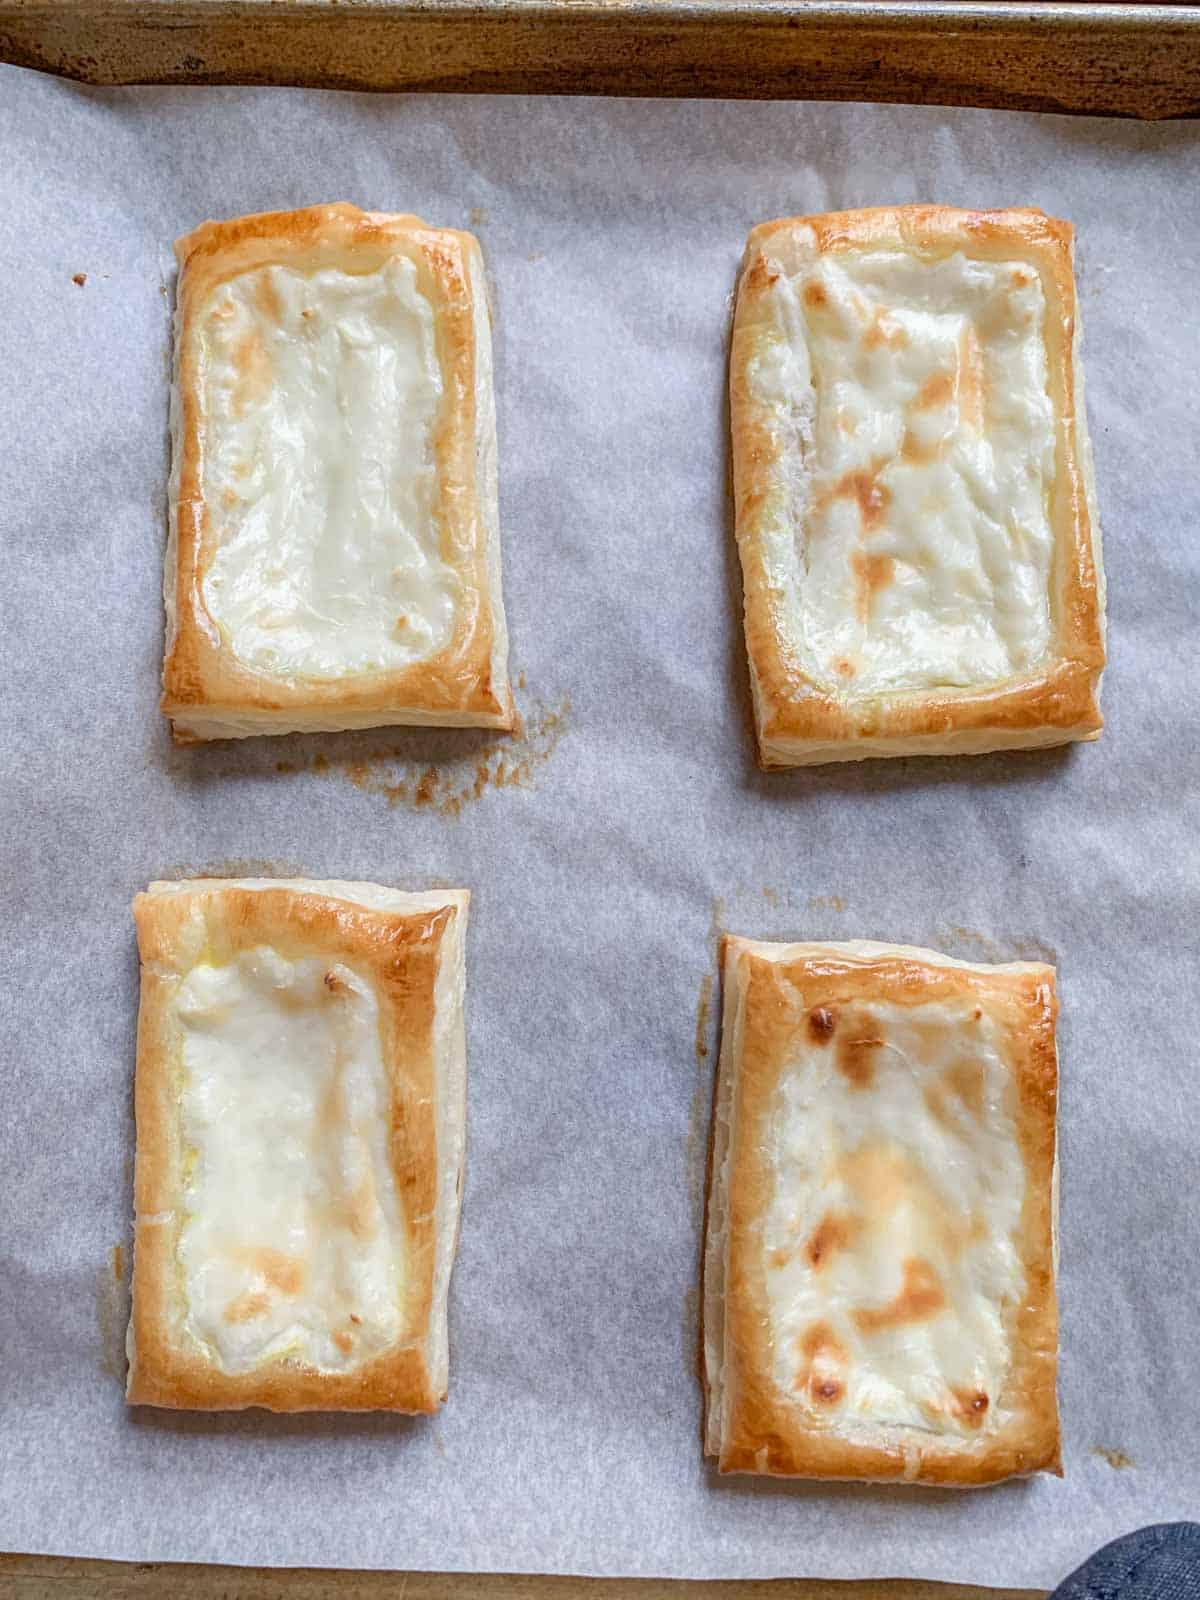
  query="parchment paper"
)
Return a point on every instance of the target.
[{"x": 605, "y": 848}]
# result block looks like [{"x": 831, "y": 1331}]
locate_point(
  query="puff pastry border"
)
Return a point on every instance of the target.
[
  {"x": 207, "y": 692},
  {"x": 402, "y": 952},
  {"x": 768, "y": 990},
  {"x": 799, "y": 722}
]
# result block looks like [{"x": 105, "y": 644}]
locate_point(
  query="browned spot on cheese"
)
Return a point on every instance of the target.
[
  {"x": 266, "y": 297},
  {"x": 858, "y": 1040},
  {"x": 865, "y": 489},
  {"x": 844, "y": 668},
  {"x": 779, "y": 1257},
  {"x": 335, "y": 985},
  {"x": 877, "y": 1175},
  {"x": 935, "y": 392},
  {"x": 915, "y": 453},
  {"x": 254, "y": 1303},
  {"x": 822, "y": 1021},
  {"x": 361, "y": 1207},
  {"x": 703, "y": 1012},
  {"x": 759, "y": 276},
  {"x": 814, "y": 294},
  {"x": 872, "y": 572},
  {"x": 823, "y": 1362},
  {"x": 970, "y": 1406},
  {"x": 306, "y": 313},
  {"x": 253, "y": 367},
  {"x": 282, "y": 1272},
  {"x": 343, "y": 1340},
  {"x": 971, "y": 381},
  {"x": 884, "y": 330},
  {"x": 966, "y": 1081},
  {"x": 920, "y": 1298},
  {"x": 978, "y": 1013},
  {"x": 832, "y": 1233},
  {"x": 354, "y": 1319}
]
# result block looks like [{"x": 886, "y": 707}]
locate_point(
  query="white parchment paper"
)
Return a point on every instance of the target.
[{"x": 605, "y": 848}]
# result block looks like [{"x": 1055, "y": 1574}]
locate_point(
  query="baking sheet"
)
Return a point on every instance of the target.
[{"x": 605, "y": 847}]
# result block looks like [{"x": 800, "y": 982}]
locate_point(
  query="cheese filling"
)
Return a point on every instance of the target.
[
  {"x": 890, "y": 1244},
  {"x": 915, "y": 548},
  {"x": 320, "y": 393},
  {"x": 292, "y": 1241}
]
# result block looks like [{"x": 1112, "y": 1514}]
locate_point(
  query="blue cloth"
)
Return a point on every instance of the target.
[{"x": 1159, "y": 1563}]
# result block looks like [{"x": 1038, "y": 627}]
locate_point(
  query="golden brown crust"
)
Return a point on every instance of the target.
[
  {"x": 200, "y": 673},
  {"x": 799, "y": 720},
  {"x": 399, "y": 952},
  {"x": 762, "y": 1430}
]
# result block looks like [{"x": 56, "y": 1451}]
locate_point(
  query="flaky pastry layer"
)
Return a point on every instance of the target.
[
  {"x": 915, "y": 506},
  {"x": 879, "y": 1298},
  {"x": 332, "y": 402},
  {"x": 300, "y": 1102}
]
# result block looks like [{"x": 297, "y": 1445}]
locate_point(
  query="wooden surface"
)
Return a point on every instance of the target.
[
  {"x": 56, "y": 1578},
  {"x": 1129, "y": 60}
]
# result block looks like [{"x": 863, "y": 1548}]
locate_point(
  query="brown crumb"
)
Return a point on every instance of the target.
[
  {"x": 1117, "y": 1459},
  {"x": 822, "y": 1024},
  {"x": 80, "y": 278},
  {"x": 425, "y": 788}
]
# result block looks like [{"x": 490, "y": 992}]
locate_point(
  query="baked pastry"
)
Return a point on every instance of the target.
[
  {"x": 879, "y": 1267},
  {"x": 301, "y": 1083},
  {"x": 334, "y": 550},
  {"x": 915, "y": 508}
]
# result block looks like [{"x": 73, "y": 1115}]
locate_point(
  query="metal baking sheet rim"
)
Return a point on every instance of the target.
[{"x": 1138, "y": 60}]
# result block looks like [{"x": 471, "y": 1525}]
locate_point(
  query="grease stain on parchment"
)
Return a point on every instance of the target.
[
  {"x": 703, "y": 1015},
  {"x": 1117, "y": 1459},
  {"x": 776, "y": 914},
  {"x": 970, "y": 945},
  {"x": 235, "y": 867},
  {"x": 696, "y": 1150},
  {"x": 112, "y": 1311}
]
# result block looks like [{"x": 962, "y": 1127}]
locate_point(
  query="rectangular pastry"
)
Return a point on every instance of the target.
[
  {"x": 879, "y": 1295},
  {"x": 334, "y": 550},
  {"x": 915, "y": 509},
  {"x": 301, "y": 1101}
]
